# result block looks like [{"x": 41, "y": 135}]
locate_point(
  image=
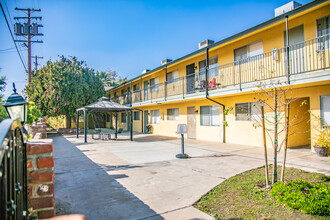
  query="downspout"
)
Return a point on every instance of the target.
[
  {"x": 287, "y": 48},
  {"x": 207, "y": 96},
  {"x": 141, "y": 118}
]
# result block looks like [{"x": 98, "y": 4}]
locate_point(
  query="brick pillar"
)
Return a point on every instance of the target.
[
  {"x": 40, "y": 163},
  {"x": 39, "y": 131}
]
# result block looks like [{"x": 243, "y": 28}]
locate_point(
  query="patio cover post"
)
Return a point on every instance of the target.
[
  {"x": 77, "y": 124},
  {"x": 116, "y": 119},
  {"x": 131, "y": 121},
  {"x": 85, "y": 125}
]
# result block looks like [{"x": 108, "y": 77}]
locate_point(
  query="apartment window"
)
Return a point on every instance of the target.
[
  {"x": 252, "y": 51},
  {"x": 249, "y": 111},
  {"x": 154, "y": 84},
  {"x": 173, "y": 114},
  {"x": 325, "y": 110},
  {"x": 136, "y": 115},
  {"x": 210, "y": 115},
  {"x": 172, "y": 76},
  {"x": 135, "y": 88},
  {"x": 213, "y": 68},
  {"x": 108, "y": 118},
  {"x": 323, "y": 29},
  {"x": 123, "y": 117},
  {"x": 154, "y": 116}
]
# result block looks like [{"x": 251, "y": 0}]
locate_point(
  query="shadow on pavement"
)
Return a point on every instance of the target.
[{"x": 84, "y": 187}]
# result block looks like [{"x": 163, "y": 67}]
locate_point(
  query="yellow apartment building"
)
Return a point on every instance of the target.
[{"x": 291, "y": 49}]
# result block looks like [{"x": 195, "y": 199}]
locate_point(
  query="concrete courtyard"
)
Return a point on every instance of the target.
[{"x": 108, "y": 179}]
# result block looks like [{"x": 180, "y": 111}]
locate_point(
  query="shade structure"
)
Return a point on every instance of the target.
[{"x": 104, "y": 105}]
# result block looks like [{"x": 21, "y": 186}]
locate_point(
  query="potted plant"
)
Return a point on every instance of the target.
[
  {"x": 148, "y": 130},
  {"x": 322, "y": 143}
]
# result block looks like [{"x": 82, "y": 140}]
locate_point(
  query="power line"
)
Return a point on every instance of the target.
[{"x": 12, "y": 36}]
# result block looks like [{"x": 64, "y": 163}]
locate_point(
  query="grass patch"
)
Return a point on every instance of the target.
[{"x": 244, "y": 197}]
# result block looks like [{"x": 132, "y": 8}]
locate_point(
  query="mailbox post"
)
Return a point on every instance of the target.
[{"x": 182, "y": 129}]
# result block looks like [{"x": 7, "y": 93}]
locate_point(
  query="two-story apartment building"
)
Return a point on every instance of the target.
[{"x": 291, "y": 48}]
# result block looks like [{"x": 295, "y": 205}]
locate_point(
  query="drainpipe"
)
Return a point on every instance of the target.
[
  {"x": 165, "y": 84},
  {"x": 130, "y": 97},
  {"x": 207, "y": 96},
  {"x": 141, "y": 118},
  {"x": 287, "y": 49}
]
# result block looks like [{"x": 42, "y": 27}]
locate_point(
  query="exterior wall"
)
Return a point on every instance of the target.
[
  {"x": 272, "y": 37},
  {"x": 40, "y": 166}
]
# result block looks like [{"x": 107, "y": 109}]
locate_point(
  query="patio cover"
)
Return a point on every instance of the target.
[{"x": 104, "y": 105}]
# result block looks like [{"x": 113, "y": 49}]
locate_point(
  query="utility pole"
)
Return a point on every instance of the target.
[
  {"x": 36, "y": 61},
  {"x": 28, "y": 30}
]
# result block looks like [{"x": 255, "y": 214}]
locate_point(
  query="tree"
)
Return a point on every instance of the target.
[
  {"x": 110, "y": 78},
  {"x": 276, "y": 98},
  {"x": 60, "y": 87},
  {"x": 3, "y": 112}
]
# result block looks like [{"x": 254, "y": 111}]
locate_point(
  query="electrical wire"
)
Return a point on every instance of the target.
[
  {"x": 12, "y": 36},
  {"x": 11, "y": 21}
]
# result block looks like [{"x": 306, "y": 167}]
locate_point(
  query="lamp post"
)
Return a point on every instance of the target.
[{"x": 16, "y": 106}]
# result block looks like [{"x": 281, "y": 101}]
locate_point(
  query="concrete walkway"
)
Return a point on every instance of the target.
[{"x": 143, "y": 179}]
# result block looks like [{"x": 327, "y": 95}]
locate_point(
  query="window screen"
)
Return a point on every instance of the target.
[
  {"x": 323, "y": 29},
  {"x": 136, "y": 115},
  {"x": 172, "y": 77},
  {"x": 210, "y": 115},
  {"x": 123, "y": 117},
  {"x": 325, "y": 110},
  {"x": 173, "y": 114},
  {"x": 154, "y": 116},
  {"x": 249, "y": 111},
  {"x": 154, "y": 84}
]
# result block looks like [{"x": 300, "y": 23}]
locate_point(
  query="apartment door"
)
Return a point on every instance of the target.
[
  {"x": 296, "y": 49},
  {"x": 145, "y": 120},
  {"x": 299, "y": 123},
  {"x": 145, "y": 90},
  {"x": 191, "y": 122},
  {"x": 190, "y": 78}
]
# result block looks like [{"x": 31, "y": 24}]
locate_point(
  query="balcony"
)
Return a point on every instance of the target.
[{"x": 298, "y": 60}]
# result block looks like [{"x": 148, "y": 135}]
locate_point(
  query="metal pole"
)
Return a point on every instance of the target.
[
  {"x": 29, "y": 47},
  {"x": 131, "y": 134},
  {"x": 116, "y": 127},
  {"x": 77, "y": 124},
  {"x": 275, "y": 137},
  {"x": 207, "y": 72},
  {"x": 85, "y": 125},
  {"x": 182, "y": 144}
]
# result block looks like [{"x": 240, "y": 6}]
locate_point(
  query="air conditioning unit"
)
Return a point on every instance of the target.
[
  {"x": 285, "y": 8},
  {"x": 205, "y": 43},
  {"x": 166, "y": 61},
  {"x": 145, "y": 71}
]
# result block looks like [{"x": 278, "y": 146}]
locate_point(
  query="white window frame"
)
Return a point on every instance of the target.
[
  {"x": 325, "y": 110},
  {"x": 253, "y": 111},
  {"x": 172, "y": 77},
  {"x": 154, "y": 116},
  {"x": 154, "y": 84},
  {"x": 212, "y": 117},
  {"x": 213, "y": 70},
  {"x": 323, "y": 43},
  {"x": 251, "y": 53},
  {"x": 173, "y": 114}
]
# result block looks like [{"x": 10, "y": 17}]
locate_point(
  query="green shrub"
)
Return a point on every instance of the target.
[
  {"x": 298, "y": 194},
  {"x": 55, "y": 122}
]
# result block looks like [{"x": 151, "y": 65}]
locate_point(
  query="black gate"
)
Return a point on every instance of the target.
[{"x": 13, "y": 171}]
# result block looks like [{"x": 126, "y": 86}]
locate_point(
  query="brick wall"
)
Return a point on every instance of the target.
[
  {"x": 39, "y": 131},
  {"x": 40, "y": 162}
]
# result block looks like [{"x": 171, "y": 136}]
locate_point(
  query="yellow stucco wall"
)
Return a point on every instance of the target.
[{"x": 239, "y": 132}]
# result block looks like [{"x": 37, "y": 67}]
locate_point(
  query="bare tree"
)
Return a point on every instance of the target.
[{"x": 276, "y": 98}]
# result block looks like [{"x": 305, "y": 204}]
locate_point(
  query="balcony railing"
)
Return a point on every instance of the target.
[
  {"x": 13, "y": 171},
  {"x": 307, "y": 56}
]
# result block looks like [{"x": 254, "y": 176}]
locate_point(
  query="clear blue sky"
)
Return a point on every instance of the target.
[{"x": 125, "y": 35}]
